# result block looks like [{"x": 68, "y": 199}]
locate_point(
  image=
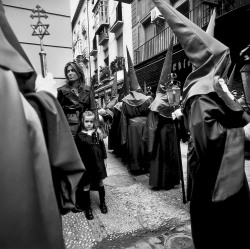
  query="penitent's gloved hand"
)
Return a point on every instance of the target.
[
  {"x": 247, "y": 131},
  {"x": 177, "y": 114},
  {"x": 46, "y": 84},
  {"x": 225, "y": 88}
]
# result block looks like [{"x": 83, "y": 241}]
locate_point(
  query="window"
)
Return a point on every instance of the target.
[
  {"x": 79, "y": 46},
  {"x": 94, "y": 43},
  {"x": 120, "y": 45},
  {"x": 119, "y": 12},
  {"x": 104, "y": 10}
]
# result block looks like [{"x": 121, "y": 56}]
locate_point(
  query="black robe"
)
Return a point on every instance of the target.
[
  {"x": 165, "y": 156},
  {"x": 134, "y": 133},
  {"x": 29, "y": 215},
  {"x": 92, "y": 154},
  {"x": 114, "y": 140},
  {"x": 220, "y": 203},
  {"x": 66, "y": 165}
]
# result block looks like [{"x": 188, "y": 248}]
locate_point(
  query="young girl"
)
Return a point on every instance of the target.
[{"x": 93, "y": 154}]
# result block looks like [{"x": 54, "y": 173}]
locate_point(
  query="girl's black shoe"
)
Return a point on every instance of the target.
[
  {"x": 103, "y": 208},
  {"x": 89, "y": 214},
  {"x": 77, "y": 210}
]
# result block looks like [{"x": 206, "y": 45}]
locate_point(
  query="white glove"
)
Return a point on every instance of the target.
[
  {"x": 46, "y": 84},
  {"x": 247, "y": 131},
  {"x": 177, "y": 114},
  {"x": 102, "y": 111},
  {"x": 225, "y": 88}
]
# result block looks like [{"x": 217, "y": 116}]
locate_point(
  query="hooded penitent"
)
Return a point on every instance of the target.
[
  {"x": 113, "y": 96},
  {"x": 160, "y": 103},
  {"x": 210, "y": 58},
  {"x": 135, "y": 98},
  {"x": 11, "y": 51},
  {"x": 134, "y": 84},
  {"x": 125, "y": 87},
  {"x": 230, "y": 82},
  {"x": 211, "y": 25},
  {"x": 29, "y": 213},
  {"x": 31, "y": 159},
  {"x": 145, "y": 88}
]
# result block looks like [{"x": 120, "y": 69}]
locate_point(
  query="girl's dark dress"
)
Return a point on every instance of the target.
[{"x": 93, "y": 153}]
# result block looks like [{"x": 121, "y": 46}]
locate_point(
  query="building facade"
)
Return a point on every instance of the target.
[
  {"x": 151, "y": 36},
  {"x": 102, "y": 30},
  {"x": 57, "y": 45}
]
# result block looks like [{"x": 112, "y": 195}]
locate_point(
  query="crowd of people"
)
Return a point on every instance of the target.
[{"x": 54, "y": 153}]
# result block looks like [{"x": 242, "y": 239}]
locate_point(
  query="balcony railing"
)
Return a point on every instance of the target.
[
  {"x": 200, "y": 15},
  {"x": 103, "y": 36}
]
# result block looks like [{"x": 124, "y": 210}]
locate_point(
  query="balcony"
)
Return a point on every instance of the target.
[
  {"x": 93, "y": 52},
  {"x": 118, "y": 22},
  {"x": 125, "y": 1},
  {"x": 200, "y": 15},
  {"x": 101, "y": 16},
  {"x": 116, "y": 26},
  {"x": 103, "y": 36}
]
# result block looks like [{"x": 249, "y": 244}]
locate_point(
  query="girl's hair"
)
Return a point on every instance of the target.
[
  {"x": 87, "y": 114},
  {"x": 78, "y": 69}
]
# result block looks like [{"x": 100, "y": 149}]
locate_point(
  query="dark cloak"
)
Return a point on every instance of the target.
[
  {"x": 219, "y": 192},
  {"x": 134, "y": 132},
  {"x": 165, "y": 151},
  {"x": 66, "y": 164},
  {"x": 29, "y": 213}
]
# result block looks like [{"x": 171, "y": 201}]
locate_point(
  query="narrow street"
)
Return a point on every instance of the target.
[{"x": 138, "y": 217}]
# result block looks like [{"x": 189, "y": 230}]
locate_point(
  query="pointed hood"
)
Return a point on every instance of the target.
[
  {"x": 13, "y": 56},
  {"x": 211, "y": 25},
  {"x": 134, "y": 84},
  {"x": 145, "y": 87},
  {"x": 113, "y": 97},
  {"x": 114, "y": 87},
  {"x": 231, "y": 79},
  {"x": 125, "y": 87},
  {"x": 166, "y": 69},
  {"x": 134, "y": 98},
  {"x": 160, "y": 103},
  {"x": 210, "y": 57}
]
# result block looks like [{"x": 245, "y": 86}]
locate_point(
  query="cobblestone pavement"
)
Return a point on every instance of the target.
[{"x": 138, "y": 217}]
